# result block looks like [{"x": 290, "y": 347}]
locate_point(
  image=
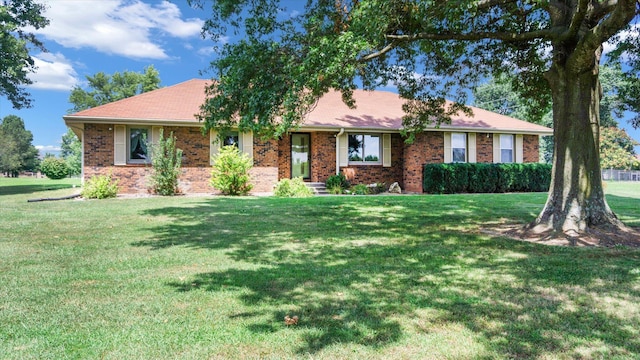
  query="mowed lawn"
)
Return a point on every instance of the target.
[{"x": 373, "y": 277}]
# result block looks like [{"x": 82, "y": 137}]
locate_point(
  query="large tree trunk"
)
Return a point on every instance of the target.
[{"x": 576, "y": 201}]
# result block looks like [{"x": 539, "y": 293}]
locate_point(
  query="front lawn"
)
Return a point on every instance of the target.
[{"x": 368, "y": 276}]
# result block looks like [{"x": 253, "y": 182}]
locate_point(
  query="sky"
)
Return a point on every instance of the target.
[{"x": 85, "y": 37}]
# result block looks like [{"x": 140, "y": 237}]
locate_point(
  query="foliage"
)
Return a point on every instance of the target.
[
  {"x": 485, "y": 178},
  {"x": 230, "y": 172},
  {"x": 17, "y": 153},
  {"x": 166, "y": 160},
  {"x": 106, "y": 88},
  {"x": 100, "y": 187},
  {"x": 378, "y": 188},
  {"x": 15, "y": 43},
  {"x": 54, "y": 168},
  {"x": 337, "y": 181},
  {"x": 71, "y": 152},
  {"x": 359, "y": 189},
  {"x": 617, "y": 149},
  {"x": 292, "y": 188},
  {"x": 335, "y": 190}
]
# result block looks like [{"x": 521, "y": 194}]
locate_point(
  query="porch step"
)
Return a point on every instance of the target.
[{"x": 318, "y": 188}]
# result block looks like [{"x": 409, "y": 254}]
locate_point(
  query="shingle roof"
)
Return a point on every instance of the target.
[{"x": 379, "y": 110}]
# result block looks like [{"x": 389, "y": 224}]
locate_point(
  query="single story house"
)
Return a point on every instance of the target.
[{"x": 364, "y": 143}]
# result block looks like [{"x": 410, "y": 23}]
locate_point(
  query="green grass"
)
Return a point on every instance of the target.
[{"x": 369, "y": 277}]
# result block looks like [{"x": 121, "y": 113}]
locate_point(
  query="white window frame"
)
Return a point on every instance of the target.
[
  {"x": 363, "y": 161},
  {"x": 465, "y": 148},
  {"x": 512, "y": 148},
  {"x": 148, "y": 145}
]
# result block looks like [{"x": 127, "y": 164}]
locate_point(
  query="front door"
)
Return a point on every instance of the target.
[{"x": 300, "y": 160}]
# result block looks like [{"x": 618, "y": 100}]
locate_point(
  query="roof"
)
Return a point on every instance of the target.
[{"x": 375, "y": 110}]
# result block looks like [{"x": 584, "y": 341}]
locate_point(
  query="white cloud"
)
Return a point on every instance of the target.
[
  {"x": 129, "y": 28},
  {"x": 48, "y": 148},
  {"x": 54, "y": 72}
]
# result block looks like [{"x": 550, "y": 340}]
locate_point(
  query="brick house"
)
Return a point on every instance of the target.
[{"x": 364, "y": 143}]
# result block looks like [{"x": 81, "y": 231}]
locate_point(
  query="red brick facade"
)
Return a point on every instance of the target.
[{"x": 272, "y": 159}]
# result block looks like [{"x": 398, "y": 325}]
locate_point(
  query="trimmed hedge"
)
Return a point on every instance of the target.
[{"x": 485, "y": 178}]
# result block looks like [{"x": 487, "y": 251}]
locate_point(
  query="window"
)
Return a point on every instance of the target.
[
  {"x": 232, "y": 138},
  {"x": 506, "y": 148},
  {"x": 459, "y": 147},
  {"x": 138, "y": 151},
  {"x": 364, "y": 149}
]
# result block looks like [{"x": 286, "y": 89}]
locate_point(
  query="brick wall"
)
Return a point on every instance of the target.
[
  {"x": 531, "y": 148},
  {"x": 484, "y": 147},
  {"x": 427, "y": 148},
  {"x": 196, "y": 169},
  {"x": 272, "y": 159},
  {"x": 284, "y": 157},
  {"x": 370, "y": 174},
  {"x": 323, "y": 156}
]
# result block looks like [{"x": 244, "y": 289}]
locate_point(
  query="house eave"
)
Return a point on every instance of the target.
[{"x": 69, "y": 119}]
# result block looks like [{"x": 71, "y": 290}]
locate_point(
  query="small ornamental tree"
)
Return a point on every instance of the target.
[
  {"x": 54, "y": 168},
  {"x": 166, "y": 161},
  {"x": 230, "y": 173}
]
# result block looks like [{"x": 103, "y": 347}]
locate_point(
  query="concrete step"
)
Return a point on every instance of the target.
[{"x": 318, "y": 188}]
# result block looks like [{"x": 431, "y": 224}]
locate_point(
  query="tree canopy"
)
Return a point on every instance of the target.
[
  {"x": 104, "y": 88},
  {"x": 15, "y": 44},
  {"x": 71, "y": 152},
  {"x": 431, "y": 50},
  {"x": 17, "y": 153}
]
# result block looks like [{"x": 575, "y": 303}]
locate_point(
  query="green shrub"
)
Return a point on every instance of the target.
[
  {"x": 360, "y": 189},
  {"x": 378, "y": 188},
  {"x": 292, "y": 188},
  {"x": 166, "y": 160},
  {"x": 230, "y": 173},
  {"x": 335, "y": 190},
  {"x": 484, "y": 178},
  {"x": 54, "y": 168},
  {"x": 100, "y": 187},
  {"x": 337, "y": 180}
]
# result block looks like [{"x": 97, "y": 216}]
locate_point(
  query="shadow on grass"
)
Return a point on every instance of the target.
[
  {"x": 371, "y": 270},
  {"x": 29, "y": 189}
]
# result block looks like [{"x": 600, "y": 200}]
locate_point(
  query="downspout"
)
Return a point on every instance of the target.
[{"x": 338, "y": 150}]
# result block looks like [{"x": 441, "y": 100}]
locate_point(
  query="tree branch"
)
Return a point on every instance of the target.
[
  {"x": 531, "y": 35},
  {"x": 392, "y": 45},
  {"x": 622, "y": 14},
  {"x": 576, "y": 20}
]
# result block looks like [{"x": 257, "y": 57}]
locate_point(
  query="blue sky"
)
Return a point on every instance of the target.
[{"x": 90, "y": 36}]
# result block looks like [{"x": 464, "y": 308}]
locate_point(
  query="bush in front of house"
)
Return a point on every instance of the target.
[
  {"x": 359, "y": 189},
  {"x": 230, "y": 172},
  {"x": 292, "y": 188},
  {"x": 485, "y": 178},
  {"x": 100, "y": 187},
  {"x": 166, "y": 161},
  {"x": 338, "y": 180},
  {"x": 54, "y": 168}
]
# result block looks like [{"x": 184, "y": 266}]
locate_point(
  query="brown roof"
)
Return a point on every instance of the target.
[{"x": 376, "y": 110}]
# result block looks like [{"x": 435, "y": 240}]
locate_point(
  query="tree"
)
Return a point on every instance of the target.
[
  {"x": 108, "y": 88},
  {"x": 71, "y": 152},
  {"x": 430, "y": 50},
  {"x": 616, "y": 149},
  {"x": 15, "y": 43},
  {"x": 19, "y": 154},
  {"x": 166, "y": 161}
]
